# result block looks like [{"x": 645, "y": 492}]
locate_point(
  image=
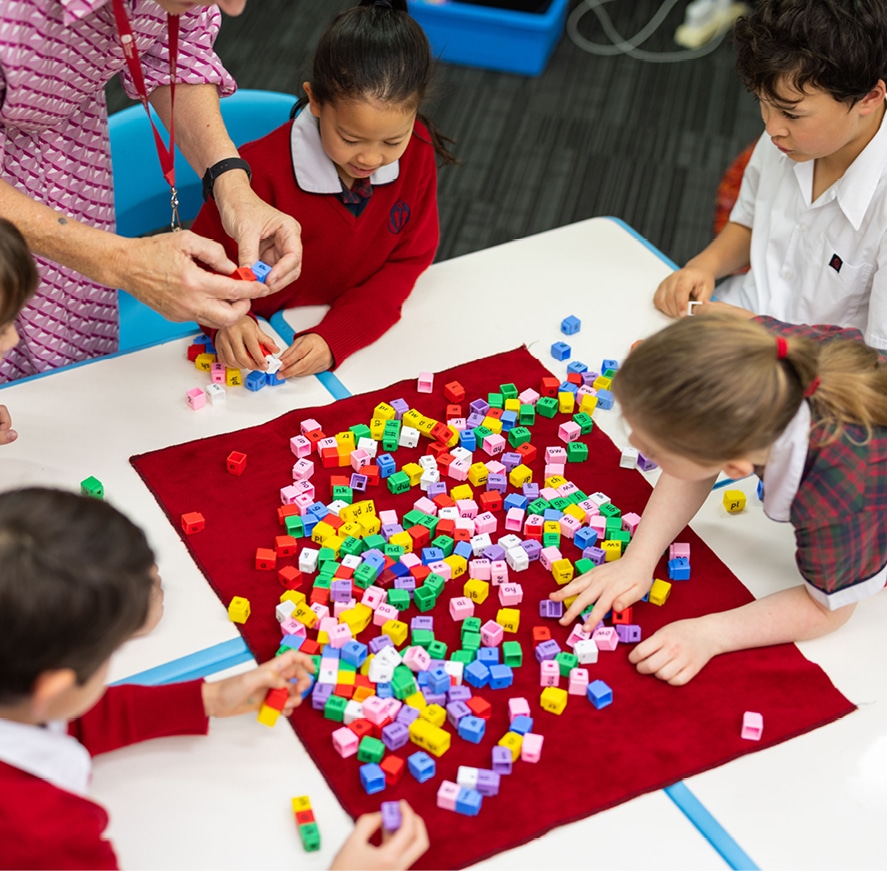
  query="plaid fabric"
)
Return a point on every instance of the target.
[
  {"x": 357, "y": 196},
  {"x": 840, "y": 510}
]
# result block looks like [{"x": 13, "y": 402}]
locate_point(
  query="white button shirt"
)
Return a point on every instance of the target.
[
  {"x": 822, "y": 262},
  {"x": 47, "y": 752}
]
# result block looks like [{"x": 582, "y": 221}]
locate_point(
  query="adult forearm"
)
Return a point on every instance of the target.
[
  {"x": 200, "y": 132},
  {"x": 97, "y": 254}
]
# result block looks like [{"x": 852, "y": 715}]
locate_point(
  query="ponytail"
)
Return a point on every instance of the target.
[
  {"x": 716, "y": 388},
  {"x": 376, "y": 50}
]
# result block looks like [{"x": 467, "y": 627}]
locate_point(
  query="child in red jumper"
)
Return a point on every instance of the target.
[
  {"x": 357, "y": 169},
  {"x": 76, "y": 580}
]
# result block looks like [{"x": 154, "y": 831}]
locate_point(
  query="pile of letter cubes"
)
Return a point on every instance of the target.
[{"x": 478, "y": 521}]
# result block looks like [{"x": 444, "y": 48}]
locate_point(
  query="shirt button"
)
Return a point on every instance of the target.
[{"x": 787, "y": 275}]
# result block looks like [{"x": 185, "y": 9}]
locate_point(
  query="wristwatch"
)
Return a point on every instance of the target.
[{"x": 210, "y": 176}]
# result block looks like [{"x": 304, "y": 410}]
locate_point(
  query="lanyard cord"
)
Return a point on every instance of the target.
[{"x": 131, "y": 54}]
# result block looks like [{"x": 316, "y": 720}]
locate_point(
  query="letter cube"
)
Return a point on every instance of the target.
[
  {"x": 236, "y": 463},
  {"x": 752, "y": 726},
  {"x": 554, "y": 699},
  {"x": 560, "y": 351},
  {"x": 372, "y": 778},
  {"x": 599, "y": 694},
  {"x": 192, "y": 522},
  {"x": 425, "y": 382},
  {"x": 238, "y": 610},
  {"x": 570, "y": 325},
  {"x": 734, "y": 501},
  {"x": 421, "y": 765}
]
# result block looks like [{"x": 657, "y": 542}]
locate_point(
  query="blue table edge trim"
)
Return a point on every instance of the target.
[
  {"x": 201, "y": 663},
  {"x": 645, "y": 242},
  {"x": 709, "y": 827},
  {"x": 327, "y": 379}
]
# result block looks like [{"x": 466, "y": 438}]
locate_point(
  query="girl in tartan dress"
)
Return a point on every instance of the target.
[{"x": 805, "y": 408}]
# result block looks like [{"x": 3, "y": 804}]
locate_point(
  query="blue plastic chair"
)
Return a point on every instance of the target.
[{"x": 142, "y": 195}]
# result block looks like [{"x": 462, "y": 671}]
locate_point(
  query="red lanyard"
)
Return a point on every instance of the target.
[{"x": 131, "y": 54}]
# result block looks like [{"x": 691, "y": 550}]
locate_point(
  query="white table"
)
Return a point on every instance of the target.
[
  {"x": 223, "y": 802},
  {"x": 89, "y": 420}
]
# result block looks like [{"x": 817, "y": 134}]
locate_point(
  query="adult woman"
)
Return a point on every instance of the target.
[{"x": 55, "y": 58}]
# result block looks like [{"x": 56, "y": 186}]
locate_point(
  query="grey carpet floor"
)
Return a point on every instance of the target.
[{"x": 591, "y": 136}]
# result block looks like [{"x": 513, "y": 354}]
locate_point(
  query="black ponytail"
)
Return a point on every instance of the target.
[{"x": 376, "y": 50}]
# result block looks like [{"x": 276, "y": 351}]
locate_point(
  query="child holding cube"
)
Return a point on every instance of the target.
[
  {"x": 812, "y": 207},
  {"x": 805, "y": 408},
  {"x": 357, "y": 168},
  {"x": 77, "y": 579}
]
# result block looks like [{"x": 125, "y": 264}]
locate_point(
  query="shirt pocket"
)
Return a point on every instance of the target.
[{"x": 837, "y": 288}]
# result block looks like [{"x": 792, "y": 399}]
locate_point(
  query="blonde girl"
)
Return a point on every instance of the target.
[{"x": 803, "y": 407}]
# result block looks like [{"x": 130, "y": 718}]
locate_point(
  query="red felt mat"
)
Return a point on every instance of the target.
[{"x": 651, "y": 736}]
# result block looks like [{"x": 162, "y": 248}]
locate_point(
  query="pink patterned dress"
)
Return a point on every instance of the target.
[{"x": 55, "y": 58}]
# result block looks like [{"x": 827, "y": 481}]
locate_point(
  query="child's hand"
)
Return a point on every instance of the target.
[
  {"x": 615, "y": 585},
  {"x": 7, "y": 433},
  {"x": 240, "y": 345},
  {"x": 246, "y": 692},
  {"x": 673, "y": 295},
  {"x": 398, "y": 850},
  {"x": 678, "y": 651},
  {"x": 308, "y": 355}
]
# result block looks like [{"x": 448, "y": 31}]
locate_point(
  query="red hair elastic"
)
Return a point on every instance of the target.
[
  {"x": 812, "y": 387},
  {"x": 781, "y": 348}
]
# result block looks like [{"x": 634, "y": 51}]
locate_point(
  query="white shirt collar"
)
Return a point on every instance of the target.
[
  {"x": 315, "y": 172},
  {"x": 855, "y": 189},
  {"x": 785, "y": 465},
  {"x": 49, "y": 753}
]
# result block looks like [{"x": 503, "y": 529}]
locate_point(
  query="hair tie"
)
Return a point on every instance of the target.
[
  {"x": 781, "y": 348},
  {"x": 812, "y": 387}
]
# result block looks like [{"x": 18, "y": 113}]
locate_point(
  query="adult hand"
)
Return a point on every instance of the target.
[
  {"x": 615, "y": 585},
  {"x": 675, "y": 292},
  {"x": 398, "y": 850},
  {"x": 246, "y": 692},
  {"x": 7, "y": 433},
  {"x": 240, "y": 345},
  {"x": 308, "y": 355},
  {"x": 260, "y": 231},
  {"x": 165, "y": 272}
]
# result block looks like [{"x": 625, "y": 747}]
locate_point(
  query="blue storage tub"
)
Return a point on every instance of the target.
[{"x": 497, "y": 39}]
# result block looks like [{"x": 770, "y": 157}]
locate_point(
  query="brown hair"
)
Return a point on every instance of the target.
[
  {"x": 712, "y": 388},
  {"x": 75, "y": 583},
  {"x": 18, "y": 272}
]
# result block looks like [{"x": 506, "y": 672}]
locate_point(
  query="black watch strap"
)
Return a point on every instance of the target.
[{"x": 210, "y": 176}]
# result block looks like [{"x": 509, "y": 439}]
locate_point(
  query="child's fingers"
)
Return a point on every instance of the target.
[
  {"x": 308, "y": 355},
  {"x": 650, "y": 655},
  {"x": 252, "y": 341},
  {"x": 7, "y": 434},
  {"x": 231, "y": 349},
  {"x": 267, "y": 341},
  {"x": 574, "y": 588},
  {"x": 366, "y": 825},
  {"x": 409, "y": 842}
]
